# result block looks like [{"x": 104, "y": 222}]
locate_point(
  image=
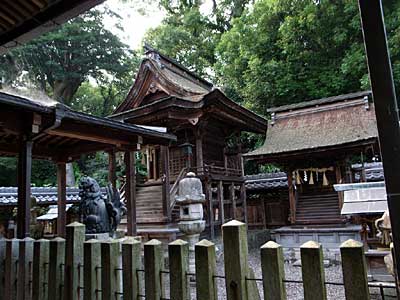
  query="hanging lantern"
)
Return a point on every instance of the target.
[{"x": 187, "y": 148}]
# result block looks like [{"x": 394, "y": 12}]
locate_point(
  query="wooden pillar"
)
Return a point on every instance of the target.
[
  {"x": 61, "y": 198},
  {"x": 292, "y": 198},
  {"x": 205, "y": 270},
  {"x": 244, "y": 200},
  {"x": 199, "y": 152},
  {"x": 221, "y": 201},
  {"x": 112, "y": 175},
  {"x": 339, "y": 180},
  {"x": 166, "y": 181},
  {"x": 386, "y": 109},
  {"x": 24, "y": 188},
  {"x": 130, "y": 192},
  {"x": 232, "y": 198},
  {"x": 210, "y": 209}
]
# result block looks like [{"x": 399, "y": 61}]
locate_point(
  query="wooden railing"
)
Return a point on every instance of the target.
[{"x": 71, "y": 268}]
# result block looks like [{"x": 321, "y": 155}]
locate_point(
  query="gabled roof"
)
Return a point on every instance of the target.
[
  {"x": 164, "y": 89},
  {"x": 159, "y": 73},
  {"x": 344, "y": 121}
]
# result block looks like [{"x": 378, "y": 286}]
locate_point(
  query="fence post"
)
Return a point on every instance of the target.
[
  {"x": 109, "y": 264},
  {"x": 312, "y": 267},
  {"x": 40, "y": 270},
  {"x": 131, "y": 262},
  {"x": 354, "y": 270},
  {"x": 2, "y": 267},
  {"x": 11, "y": 268},
  {"x": 273, "y": 271},
  {"x": 56, "y": 268},
  {"x": 234, "y": 235},
  {"x": 91, "y": 264},
  {"x": 73, "y": 260},
  {"x": 25, "y": 269},
  {"x": 153, "y": 265},
  {"x": 205, "y": 270},
  {"x": 178, "y": 255}
]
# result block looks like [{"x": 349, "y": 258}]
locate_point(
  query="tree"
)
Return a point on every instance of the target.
[
  {"x": 190, "y": 35},
  {"x": 60, "y": 61},
  {"x": 282, "y": 51}
]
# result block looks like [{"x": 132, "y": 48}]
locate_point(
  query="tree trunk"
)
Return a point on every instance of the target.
[{"x": 64, "y": 90}]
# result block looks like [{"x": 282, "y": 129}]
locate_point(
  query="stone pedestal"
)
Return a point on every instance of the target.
[{"x": 190, "y": 198}]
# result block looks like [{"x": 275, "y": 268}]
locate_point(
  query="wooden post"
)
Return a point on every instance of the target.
[
  {"x": 273, "y": 271},
  {"x": 244, "y": 200},
  {"x": 232, "y": 198},
  {"x": 11, "y": 269},
  {"x": 40, "y": 270},
  {"x": 166, "y": 184},
  {"x": 312, "y": 267},
  {"x": 25, "y": 259},
  {"x": 221, "y": 201},
  {"x": 178, "y": 253},
  {"x": 56, "y": 268},
  {"x": 292, "y": 199},
  {"x": 109, "y": 264},
  {"x": 112, "y": 164},
  {"x": 354, "y": 270},
  {"x": 131, "y": 262},
  {"x": 24, "y": 188},
  {"x": 61, "y": 198},
  {"x": 210, "y": 209},
  {"x": 73, "y": 279},
  {"x": 130, "y": 192},
  {"x": 199, "y": 152},
  {"x": 234, "y": 235},
  {"x": 153, "y": 265},
  {"x": 91, "y": 267},
  {"x": 386, "y": 109},
  {"x": 339, "y": 180},
  {"x": 205, "y": 270},
  {"x": 2, "y": 266}
]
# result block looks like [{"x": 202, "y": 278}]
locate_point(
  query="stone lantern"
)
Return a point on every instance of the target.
[{"x": 190, "y": 199}]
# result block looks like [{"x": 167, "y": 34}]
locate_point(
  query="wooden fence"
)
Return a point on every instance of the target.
[{"x": 72, "y": 268}]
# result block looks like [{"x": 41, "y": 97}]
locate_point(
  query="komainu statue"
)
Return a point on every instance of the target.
[
  {"x": 100, "y": 214},
  {"x": 385, "y": 234}
]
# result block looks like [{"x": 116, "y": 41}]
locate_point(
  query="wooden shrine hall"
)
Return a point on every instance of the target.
[
  {"x": 207, "y": 125},
  {"x": 314, "y": 142},
  {"x": 49, "y": 130}
]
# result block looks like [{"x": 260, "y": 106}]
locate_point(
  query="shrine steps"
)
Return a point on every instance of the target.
[
  {"x": 320, "y": 208},
  {"x": 149, "y": 209}
]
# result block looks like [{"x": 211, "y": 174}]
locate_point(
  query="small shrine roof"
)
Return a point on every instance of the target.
[{"x": 341, "y": 122}]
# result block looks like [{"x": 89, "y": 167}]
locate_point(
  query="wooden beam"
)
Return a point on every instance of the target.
[
  {"x": 130, "y": 192},
  {"x": 77, "y": 132},
  {"x": 386, "y": 110},
  {"x": 292, "y": 199},
  {"x": 61, "y": 198},
  {"x": 338, "y": 174},
  {"x": 24, "y": 188},
  {"x": 112, "y": 175}
]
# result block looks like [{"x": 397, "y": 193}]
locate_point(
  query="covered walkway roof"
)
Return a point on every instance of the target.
[{"x": 61, "y": 134}]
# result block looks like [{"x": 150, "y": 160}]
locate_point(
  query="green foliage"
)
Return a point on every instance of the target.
[
  {"x": 190, "y": 36},
  {"x": 61, "y": 60}
]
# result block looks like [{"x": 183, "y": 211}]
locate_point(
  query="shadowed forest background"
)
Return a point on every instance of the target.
[{"x": 262, "y": 53}]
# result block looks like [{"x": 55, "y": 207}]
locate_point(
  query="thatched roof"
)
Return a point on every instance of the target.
[{"x": 322, "y": 124}]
